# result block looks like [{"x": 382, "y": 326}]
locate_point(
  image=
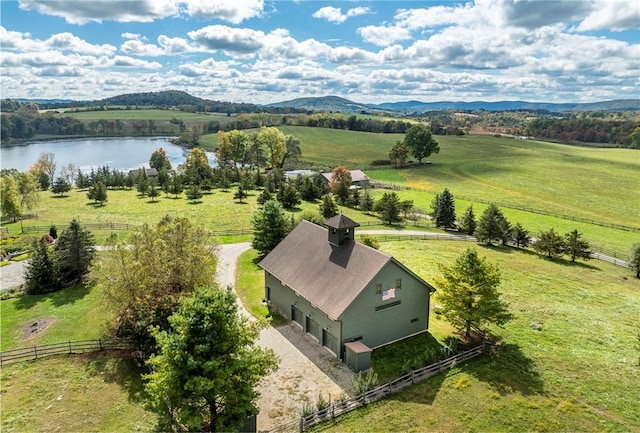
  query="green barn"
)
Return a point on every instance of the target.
[{"x": 349, "y": 297}]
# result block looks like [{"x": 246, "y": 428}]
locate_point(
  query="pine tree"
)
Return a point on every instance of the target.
[
  {"x": 520, "y": 236},
  {"x": 491, "y": 226},
  {"x": 576, "y": 247},
  {"x": 264, "y": 197},
  {"x": 42, "y": 274},
  {"x": 97, "y": 192},
  {"x": 74, "y": 252},
  {"x": 467, "y": 224},
  {"x": 240, "y": 194},
  {"x": 368, "y": 202},
  {"x": 288, "y": 196},
  {"x": 270, "y": 226},
  {"x": 328, "y": 207},
  {"x": 467, "y": 291},
  {"x": 445, "y": 215},
  {"x": 194, "y": 193},
  {"x": 634, "y": 259},
  {"x": 549, "y": 243},
  {"x": 388, "y": 207}
]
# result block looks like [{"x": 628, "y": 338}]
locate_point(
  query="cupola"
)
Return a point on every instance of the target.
[{"x": 341, "y": 228}]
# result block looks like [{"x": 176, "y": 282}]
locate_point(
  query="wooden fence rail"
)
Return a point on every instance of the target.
[
  {"x": 341, "y": 407},
  {"x": 65, "y": 347}
]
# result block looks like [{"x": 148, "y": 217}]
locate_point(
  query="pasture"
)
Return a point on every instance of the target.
[
  {"x": 144, "y": 114},
  {"x": 579, "y": 373}
]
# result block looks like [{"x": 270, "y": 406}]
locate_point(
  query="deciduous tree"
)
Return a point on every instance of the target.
[
  {"x": 340, "y": 183},
  {"x": 419, "y": 141},
  {"x": 27, "y": 191},
  {"x": 398, "y": 154},
  {"x": 208, "y": 364},
  {"x": 272, "y": 139},
  {"x": 467, "y": 291},
  {"x": 159, "y": 160},
  {"x": 9, "y": 198}
]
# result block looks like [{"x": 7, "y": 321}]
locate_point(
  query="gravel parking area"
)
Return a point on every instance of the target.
[{"x": 12, "y": 275}]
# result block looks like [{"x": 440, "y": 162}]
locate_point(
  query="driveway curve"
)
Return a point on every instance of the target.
[{"x": 305, "y": 369}]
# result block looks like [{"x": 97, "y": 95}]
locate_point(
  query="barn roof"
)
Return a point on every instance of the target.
[
  {"x": 341, "y": 222},
  {"x": 328, "y": 276},
  {"x": 356, "y": 176}
]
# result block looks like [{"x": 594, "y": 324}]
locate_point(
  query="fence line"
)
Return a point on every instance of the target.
[
  {"x": 341, "y": 407},
  {"x": 392, "y": 186},
  {"x": 65, "y": 347}
]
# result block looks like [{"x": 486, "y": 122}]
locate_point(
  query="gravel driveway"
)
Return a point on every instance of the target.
[
  {"x": 12, "y": 275},
  {"x": 305, "y": 369}
]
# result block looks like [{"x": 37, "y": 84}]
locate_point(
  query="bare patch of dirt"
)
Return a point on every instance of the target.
[{"x": 36, "y": 327}]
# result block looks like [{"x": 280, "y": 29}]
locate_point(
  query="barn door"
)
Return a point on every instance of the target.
[
  {"x": 330, "y": 342},
  {"x": 313, "y": 328},
  {"x": 297, "y": 316}
]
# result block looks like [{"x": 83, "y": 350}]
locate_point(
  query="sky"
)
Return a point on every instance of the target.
[{"x": 262, "y": 51}]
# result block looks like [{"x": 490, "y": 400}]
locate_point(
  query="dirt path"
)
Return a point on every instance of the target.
[{"x": 305, "y": 369}]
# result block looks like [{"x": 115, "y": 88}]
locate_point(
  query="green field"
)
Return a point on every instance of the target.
[
  {"x": 145, "y": 114},
  {"x": 579, "y": 373},
  {"x": 80, "y": 393}
]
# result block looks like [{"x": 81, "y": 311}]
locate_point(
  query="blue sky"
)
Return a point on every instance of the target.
[{"x": 263, "y": 51}]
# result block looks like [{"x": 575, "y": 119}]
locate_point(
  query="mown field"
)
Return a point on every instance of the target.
[
  {"x": 144, "y": 114},
  {"x": 579, "y": 373}
]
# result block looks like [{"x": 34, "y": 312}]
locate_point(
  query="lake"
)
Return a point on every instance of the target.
[{"x": 122, "y": 153}]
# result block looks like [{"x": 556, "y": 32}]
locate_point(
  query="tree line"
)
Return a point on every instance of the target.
[{"x": 584, "y": 129}]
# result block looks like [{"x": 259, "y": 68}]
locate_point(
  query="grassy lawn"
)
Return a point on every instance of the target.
[
  {"x": 78, "y": 393},
  {"x": 144, "y": 114},
  {"x": 250, "y": 288},
  {"x": 66, "y": 308},
  {"x": 579, "y": 373}
]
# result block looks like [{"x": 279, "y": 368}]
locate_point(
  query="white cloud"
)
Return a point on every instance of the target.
[
  {"x": 383, "y": 35},
  {"x": 335, "y": 15},
  {"x": 234, "y": 11},
  {"x": 228, "y": 39},
  {"x": 82, "y": 12},
  {"x": 60, "y": 42},
  {"x": 616, "y": 15},
  {"x": 135, "y": 47},
  {"x": 174, "y": 45},
  {"x": 134, "y": 36}
]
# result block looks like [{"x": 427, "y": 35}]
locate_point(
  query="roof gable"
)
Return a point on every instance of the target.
[{"x": 328, "y": 276}]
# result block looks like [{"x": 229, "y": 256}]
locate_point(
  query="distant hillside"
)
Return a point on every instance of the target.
[
  {"x": 417, "y": 106},
  {"x": 324, "y": 103},
  {"x": 168, "y": 98},
  {"x": 335, "y": 103}
]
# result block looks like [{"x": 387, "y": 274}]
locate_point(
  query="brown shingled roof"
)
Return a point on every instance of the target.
[
  {"x": 341, "y": 222},
  {"x": 328, "y": 276}
]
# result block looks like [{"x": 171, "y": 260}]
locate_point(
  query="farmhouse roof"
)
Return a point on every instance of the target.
[
  {"x": 356, "y": 176},
  {"x": 149, "y": 171},
  {"x": 328, "y": 276}
]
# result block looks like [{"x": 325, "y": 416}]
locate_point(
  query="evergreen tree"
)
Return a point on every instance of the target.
[
  {"x": 328, "y": 207},
  {"x": 194, "y": 193},
  {"x": 576, "y": 247},
  {"x": 270, "y": 226},
  {"x": 467, "y": 224},
  {"x": 143, "y": 183},
  {"x": 467, "y": 291},
  {"x": 445, "y": 214},
  {"x": 288, "y": 196},
  {"x": 367, "y": 202},
  {"x": 549, "y": 243},
  {"x": 154, "y": 190},
  {"x": 491, "y": 226},
  {"x": 264, "y": 197},
  {"x": 175, "y": 186},
  {"x": 208, "y": 364},
  {"x": 75, "y": 252},
  {"x": 355, "y": 198},
  {"x": 520, "y": 236},
  {"x": 42, "y": 274},
  {"x": 388, "y": 207},
  {"x": 240, "y": 194},
  {"x": 308, "y": 190},
  {"x": 97, "y": 192}
]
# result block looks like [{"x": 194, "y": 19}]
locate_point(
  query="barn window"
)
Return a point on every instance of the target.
[
  {"x": 385, "y": 306},
  {"x": 414, "y": 320},
  {"x": 399, "y": 283},
  {"x": 378, "y": 289}
]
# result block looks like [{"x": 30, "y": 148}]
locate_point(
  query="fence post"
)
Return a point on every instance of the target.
[
  {"x": 35, "y": 351},
  {"x": 301, "y": 424},
  {"x": 100, "y": 342},
  {"x": 69, "y": 347}
]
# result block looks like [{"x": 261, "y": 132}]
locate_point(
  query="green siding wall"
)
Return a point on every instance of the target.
[
  {"x": 381, "y": 327},
  {"x": 283, "y": 298}
]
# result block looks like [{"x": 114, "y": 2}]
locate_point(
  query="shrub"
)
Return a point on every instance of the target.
[
  {"x": 380, "y": 162},
  {"x": 364, "y": 381}
]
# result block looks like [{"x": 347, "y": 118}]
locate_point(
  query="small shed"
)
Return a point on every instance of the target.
[
  {"x": 357, "y": 355},
  {"x": 358, "y": 179}
]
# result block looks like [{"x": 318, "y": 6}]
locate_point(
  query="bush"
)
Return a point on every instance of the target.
[
  {"x": 380, "y": 162},
  {"x": 364, "y": 381}
]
